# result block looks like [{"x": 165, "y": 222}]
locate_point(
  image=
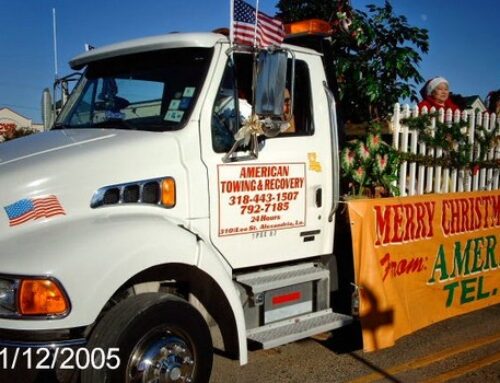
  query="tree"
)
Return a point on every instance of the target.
[
  {"x": 293, "y": 10},
  {"x": 376, "y": 58},
  {"x": 16, "y": 132}
]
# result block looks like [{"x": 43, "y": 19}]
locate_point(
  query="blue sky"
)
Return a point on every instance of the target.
[{"x": 464, "y": 37}]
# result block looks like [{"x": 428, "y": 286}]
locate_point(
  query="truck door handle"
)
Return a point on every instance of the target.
[{"x": 319, "y": 197}]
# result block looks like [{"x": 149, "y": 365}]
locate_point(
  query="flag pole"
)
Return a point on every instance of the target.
[
  {"x": 256, "y": 23},
  {"x": 231, "y": 21},
  {"x": 54, "y": 36}
]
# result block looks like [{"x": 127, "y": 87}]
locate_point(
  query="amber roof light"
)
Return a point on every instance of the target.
[{"x": 311, "y": 26}]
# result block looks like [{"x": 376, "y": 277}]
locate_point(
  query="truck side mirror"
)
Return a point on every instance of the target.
[
  {"x": 270, "y": 83},
  {"x": 47, "y": 110}
]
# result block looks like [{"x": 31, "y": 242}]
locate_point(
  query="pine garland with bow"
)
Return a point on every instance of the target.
[{"x": 453, "y": 140}]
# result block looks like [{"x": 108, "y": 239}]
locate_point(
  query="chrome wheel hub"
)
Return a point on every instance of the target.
[{"x": 161, "y": 356}]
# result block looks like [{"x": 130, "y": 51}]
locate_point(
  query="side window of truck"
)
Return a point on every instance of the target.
[
  {"x": 235, "y": 94},
  {"x": 302, "y": 123},
  {"x": 81, "y": 115},
  {"x": 223, "y": 116},
  {"x": 232, "y": 104}
]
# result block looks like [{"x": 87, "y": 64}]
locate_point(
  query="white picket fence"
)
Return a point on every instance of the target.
[{"x": 417, "y": 179}]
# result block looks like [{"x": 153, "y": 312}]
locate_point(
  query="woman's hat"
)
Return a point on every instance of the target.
[{"x": 432, "y": 84}]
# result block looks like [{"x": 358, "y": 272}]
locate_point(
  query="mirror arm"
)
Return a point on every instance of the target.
[
  {"x": 255, "y": 146},
  {"x": 235, "y": 87},
  {"x": 334, "y": 142},
  {"x": 253, "y": 153},
  {"x": 228, "y": 157},
  {"x": 62, "y": 83},
  {"x": 292, "y": 85}
]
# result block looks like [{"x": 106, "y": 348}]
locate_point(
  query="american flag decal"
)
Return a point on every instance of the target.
[{"x": 33, "y": 208}]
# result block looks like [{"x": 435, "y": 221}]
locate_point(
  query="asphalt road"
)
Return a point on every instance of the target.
[{"x": 461, "y": 349}]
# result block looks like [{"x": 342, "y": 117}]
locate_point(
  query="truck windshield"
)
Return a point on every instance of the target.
[{"x": 153, "y": 91}]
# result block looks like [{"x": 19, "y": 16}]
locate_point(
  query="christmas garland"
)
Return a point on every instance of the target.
[
  {"x": 447, "y": 162},
  {"x": 371, "y": 163},
  {"x": 453, "y": 140}
]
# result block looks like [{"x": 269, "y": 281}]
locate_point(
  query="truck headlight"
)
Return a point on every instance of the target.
[
  {"x": 27, "y": 297},
  {"x": 7, "y": 297}
]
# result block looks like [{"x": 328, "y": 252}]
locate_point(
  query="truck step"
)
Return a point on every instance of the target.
[
  {"x": 282, "y": 277},
  {"x": 279, "y": 333}
]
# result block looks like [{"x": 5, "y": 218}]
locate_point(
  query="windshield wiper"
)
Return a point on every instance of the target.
[
  {"x": 114, "y": 124},
  {"x": 61, "y": 126}
]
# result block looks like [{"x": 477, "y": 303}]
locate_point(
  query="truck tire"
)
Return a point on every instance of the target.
[{"x": 158, "y": 338}]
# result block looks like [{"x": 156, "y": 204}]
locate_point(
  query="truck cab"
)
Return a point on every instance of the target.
[{"x": 186, "y": 197}]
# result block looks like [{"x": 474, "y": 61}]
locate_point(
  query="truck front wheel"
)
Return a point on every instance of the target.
[{"x": 157, "y": 337}]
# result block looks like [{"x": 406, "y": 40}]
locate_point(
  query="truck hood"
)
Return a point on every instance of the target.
[
  {"x": 40, "y": 144},
  {"x": 73, "y": 164}
]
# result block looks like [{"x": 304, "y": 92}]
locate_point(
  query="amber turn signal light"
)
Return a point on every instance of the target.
[
  {"x": 168, "y": 192},
  {"x": 41, "y": 297}
]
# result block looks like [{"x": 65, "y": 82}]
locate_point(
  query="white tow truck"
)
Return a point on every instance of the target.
[{"x": 153, "y": 208}]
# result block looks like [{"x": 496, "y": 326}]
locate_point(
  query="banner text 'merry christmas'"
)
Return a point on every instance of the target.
[
  {"x": 465, "y": 215},
  {"x": 404, "y": 222},
  {"x": 408, "y": 222}
]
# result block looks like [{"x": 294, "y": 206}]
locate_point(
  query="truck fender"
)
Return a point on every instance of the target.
[
  {"x": 92, "y": 257},
  {"x": 212, "y": 264}
]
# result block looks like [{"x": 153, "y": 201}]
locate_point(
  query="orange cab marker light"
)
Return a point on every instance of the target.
[
  {"x": 168, "y": 192},
  {"x": 308, "y": 27},
  {"x": 41, "y": 297}
]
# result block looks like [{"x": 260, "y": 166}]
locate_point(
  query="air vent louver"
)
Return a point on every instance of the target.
[
  {"x": 131, "y": 193},
  {"x": 151, "y": 192},
  {"x": 112, "y": 196}
]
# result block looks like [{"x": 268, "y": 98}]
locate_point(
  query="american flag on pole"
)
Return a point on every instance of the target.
[
  {"x": 269, "y": 31},
  {"x": 33, "y": 208}
]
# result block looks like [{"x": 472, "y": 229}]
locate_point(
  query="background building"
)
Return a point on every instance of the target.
[{"x": 10, "y": 121}]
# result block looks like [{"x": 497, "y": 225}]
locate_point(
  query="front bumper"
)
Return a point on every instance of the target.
[
  {"x": 42, "y": 339},
  {"x": 28, "y": 356}
]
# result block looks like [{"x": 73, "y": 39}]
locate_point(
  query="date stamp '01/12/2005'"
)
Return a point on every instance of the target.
[{"x": 64, "y": 358}]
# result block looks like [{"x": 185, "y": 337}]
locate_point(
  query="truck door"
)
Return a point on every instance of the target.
[{"x": 273, "y": 208}]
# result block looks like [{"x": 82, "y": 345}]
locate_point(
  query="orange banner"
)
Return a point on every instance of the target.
[{"x": 419, "y": 260}]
